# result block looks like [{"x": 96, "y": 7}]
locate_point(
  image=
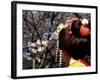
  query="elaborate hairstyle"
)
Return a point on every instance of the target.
[{"x": 77, "y": 45}]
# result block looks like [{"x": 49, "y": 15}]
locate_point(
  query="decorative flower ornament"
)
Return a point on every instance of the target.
[
  {"x": 84, "y": 21},
  {"x": 84, "y": 30},
  {"x": 59, "y": 28}
]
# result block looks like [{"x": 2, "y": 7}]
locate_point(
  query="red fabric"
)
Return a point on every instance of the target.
[
  {"x": 84, "y": 31},
  {"x": 86, "y": 64}
]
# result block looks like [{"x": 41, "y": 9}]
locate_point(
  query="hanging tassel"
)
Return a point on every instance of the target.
[
  {"x": 60, "y": 58},
  {"x": 57, "y": 50}
]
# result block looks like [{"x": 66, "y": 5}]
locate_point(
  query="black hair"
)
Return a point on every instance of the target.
[
  {"x": 75, "y": 27},
  {"x": 77, "y": 45},
  {"x": 65, "y": 40}
]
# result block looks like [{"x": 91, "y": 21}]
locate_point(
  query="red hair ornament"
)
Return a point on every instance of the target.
[{"x": 84, "y": 31}]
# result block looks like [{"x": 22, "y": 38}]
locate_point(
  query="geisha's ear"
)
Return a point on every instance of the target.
[{"x": 70, "y": 33}]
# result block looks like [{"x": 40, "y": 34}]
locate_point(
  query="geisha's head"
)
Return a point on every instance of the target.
[{"x": 76, "y": 45}]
